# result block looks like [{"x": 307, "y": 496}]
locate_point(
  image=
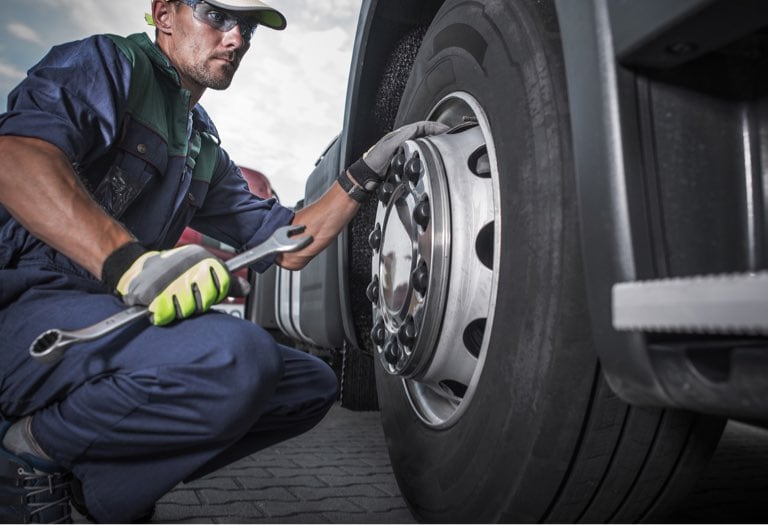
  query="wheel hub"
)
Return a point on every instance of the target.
[
  {"x": 432, "y": 284},
  {"x": 411, "y": 263}
]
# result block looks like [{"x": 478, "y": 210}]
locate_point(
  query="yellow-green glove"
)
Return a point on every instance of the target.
[{"x": 174, "y": 284}]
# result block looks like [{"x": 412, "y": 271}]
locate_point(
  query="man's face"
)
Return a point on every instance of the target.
[{"x": 204, "y": 57}]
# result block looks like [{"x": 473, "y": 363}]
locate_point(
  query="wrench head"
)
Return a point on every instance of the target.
[
  {"x": 48, "y": 347},
  {"x": 286, "y": 240}
]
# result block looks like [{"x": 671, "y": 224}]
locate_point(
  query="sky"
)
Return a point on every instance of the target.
[{"x": 286, "y": 102}]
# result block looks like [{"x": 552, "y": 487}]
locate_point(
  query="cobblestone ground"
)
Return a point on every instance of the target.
[{"x": 338, "y": 472}]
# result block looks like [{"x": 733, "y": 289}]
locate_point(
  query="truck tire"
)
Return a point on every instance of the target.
[{"x": 498, "y": 412}]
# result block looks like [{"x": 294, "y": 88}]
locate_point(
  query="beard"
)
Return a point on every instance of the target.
[{"x": 214, "y": 75}]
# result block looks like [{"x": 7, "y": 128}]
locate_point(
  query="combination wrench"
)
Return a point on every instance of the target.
[{"x": 49, "y": 346}]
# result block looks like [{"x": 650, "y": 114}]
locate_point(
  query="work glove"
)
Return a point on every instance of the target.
[
  {"x": 362, "y": 178},
  {"x": 172, "y": 284}
]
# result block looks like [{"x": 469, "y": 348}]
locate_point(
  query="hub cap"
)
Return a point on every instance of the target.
[{"x": 433, "y": 284}]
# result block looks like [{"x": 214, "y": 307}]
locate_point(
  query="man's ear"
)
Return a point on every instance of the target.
[{"x": 162, "y": 13}]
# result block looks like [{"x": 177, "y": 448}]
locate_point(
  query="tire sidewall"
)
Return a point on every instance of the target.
[{"x": 524, "y": 418}]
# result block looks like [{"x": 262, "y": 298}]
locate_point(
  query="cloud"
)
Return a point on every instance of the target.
[
  {"x": 284, "y": 106},
  {"x": 24, "y": 33},
  {"x": 309, "y": 13},
  {"x": 9, "y": 71},
  {"x": 121, "y": 17}
]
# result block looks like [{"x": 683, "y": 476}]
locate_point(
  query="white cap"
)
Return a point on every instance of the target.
[{"x": 266, "y": 15}]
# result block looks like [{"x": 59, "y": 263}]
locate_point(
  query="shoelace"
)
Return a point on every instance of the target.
[{"x": 38, "y": 483}]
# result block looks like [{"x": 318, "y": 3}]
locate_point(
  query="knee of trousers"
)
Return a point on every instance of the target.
[
  {"x": 328, "y": 390},
  {"x": 316, "y": 381},
  {"x": 235, "y": 379},
  {"x": 327, "y": 385}
]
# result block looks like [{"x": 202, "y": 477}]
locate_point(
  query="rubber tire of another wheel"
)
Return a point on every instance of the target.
[{"x": 544, "y": 438}]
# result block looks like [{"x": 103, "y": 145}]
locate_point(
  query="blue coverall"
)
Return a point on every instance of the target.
[{"x": 137, "y": 412}]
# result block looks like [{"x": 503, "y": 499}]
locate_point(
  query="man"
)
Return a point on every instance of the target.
[{"x": 105, "y": 157}]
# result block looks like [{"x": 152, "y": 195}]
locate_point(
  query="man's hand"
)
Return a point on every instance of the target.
[
  {"x": 173, "y": 284},
  {"x": 362, "y": 178}
]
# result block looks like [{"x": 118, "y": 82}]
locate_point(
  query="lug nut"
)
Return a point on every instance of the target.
[
  {"x": 379, "y": 334},
  {"x": 407, "y": 333},
  {"x": 372, "y": 292},
  {"x": 413, "y": 168},
  {"x": 385, "y": 192},
  {"x": 420, "y": 278},
  {"x": 392, "y": 352},
  {"x": 421, "y": 214},
  {"x": 397, "y": 162},
  {"x": 374, "y": 239}
]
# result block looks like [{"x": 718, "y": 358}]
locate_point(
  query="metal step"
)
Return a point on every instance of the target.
[{"x": 708, "y": 304}]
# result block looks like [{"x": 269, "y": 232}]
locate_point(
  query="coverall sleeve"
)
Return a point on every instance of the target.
[
  {"x": 232, "y": 214},
  {"x": 73, "y": 98}
]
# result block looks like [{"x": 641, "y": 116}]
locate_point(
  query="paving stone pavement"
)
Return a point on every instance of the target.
[{"x": 338, "y": 472}]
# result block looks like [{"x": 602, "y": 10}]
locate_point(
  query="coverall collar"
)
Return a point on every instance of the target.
[
  {"x": 155, "y": 54},
  {"x": 163, "y": 64}
]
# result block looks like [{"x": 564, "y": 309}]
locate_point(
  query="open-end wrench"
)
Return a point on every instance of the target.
[{"x": 49, "y": 346}]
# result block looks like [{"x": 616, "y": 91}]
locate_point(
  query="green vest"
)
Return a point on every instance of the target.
[{"x": 157, "y": 101}]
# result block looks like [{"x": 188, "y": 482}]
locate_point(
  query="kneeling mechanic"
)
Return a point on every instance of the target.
[{"x": 105, "y": 157}]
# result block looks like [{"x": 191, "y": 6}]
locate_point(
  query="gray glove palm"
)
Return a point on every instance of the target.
[{"x": 362, "y": 178}]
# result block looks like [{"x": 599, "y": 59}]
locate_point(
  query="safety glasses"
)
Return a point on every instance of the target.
[{"x": 221, "y": 20}]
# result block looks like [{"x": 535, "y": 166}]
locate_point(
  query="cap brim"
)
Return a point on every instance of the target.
[{"x": 266, "y": 15}]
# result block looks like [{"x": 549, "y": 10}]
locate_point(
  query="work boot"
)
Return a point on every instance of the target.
[{"x": 32, "y": 490}]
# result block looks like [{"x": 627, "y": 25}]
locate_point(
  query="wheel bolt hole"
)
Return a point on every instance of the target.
[
  {"x": 453, "y": 388},
  {"x": 484, "y": 245},
  {"x": 479, "y": 163},
  {"x": 473, "y": 336}
]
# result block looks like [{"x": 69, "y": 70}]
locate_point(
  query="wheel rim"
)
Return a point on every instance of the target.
[{"x": 433, "y": 281}]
